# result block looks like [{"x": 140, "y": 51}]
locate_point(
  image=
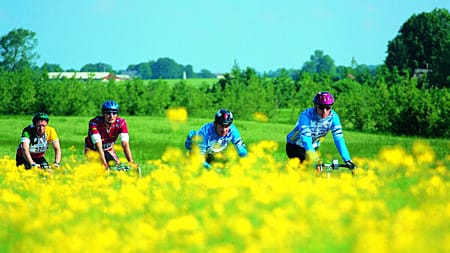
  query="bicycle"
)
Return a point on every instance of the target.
[
  {"x": 125, "y": 168},
  {"x": 329, "y": 167},
  {"x": 45, "y": 166}
]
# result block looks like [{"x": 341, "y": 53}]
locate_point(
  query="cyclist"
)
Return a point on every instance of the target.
[
  {"x": 313, "y": 124},
  {"x": 35, "y": 141},
  {"x": 215, "y": 137},
  {"x": 103, "y": 132}
]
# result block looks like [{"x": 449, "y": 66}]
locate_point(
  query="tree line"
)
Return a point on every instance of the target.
[{"x": 388, "y": 103}]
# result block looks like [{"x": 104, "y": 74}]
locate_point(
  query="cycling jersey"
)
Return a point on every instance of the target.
[
  {"x": 211, "y": 142},
  {"x": 310, "y": 128},
  {"x": 38, "y": 145},
  {"x": 98, "y": 131}
]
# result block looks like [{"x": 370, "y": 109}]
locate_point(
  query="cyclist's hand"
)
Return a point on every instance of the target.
[
  {"x": 350, "y": 164},
  {"x": 56, "y": 165},
  {"x": 37, "y": 165},
  {"x": 207, "y": 165}
]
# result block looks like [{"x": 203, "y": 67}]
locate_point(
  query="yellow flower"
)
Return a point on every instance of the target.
[
  {"x": 259, "y": 116},
  {"x": 397, "y": 157},
  {"x": 240, "y": 225},
  {"x": 11, "y": 197},
  {"x": 423, "y": 152},
  {"x": 182, "y": 223},
  {"x": 177, "y": 114}
]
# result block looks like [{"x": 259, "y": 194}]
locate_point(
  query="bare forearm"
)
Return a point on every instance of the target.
[
  {"x": 127, "y": 151},
  {"x": 57, "y": 149},
  {"x": 101, "y": 152},
  {"x": 26, "y": 152}
]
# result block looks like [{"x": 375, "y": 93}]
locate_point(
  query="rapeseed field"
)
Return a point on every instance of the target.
[{"x": 398, "y": 202}]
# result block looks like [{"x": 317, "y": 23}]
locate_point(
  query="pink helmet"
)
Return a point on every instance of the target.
[{"x": 323, "y": 98}]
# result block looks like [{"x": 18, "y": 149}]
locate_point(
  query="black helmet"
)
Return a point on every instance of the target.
[
  {"x": 40, "y": 116},
  {"x": 110, "y": 105},
  {"x": 224, "y": 117}
]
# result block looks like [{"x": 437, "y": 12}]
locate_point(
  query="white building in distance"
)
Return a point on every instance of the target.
[{"x": 104, "y": 76}]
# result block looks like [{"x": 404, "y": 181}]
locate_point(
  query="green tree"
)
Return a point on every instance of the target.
[
  {"x": 97, "y": 67},
  {"x": 189, "y": 70},
  {"x": 48, "y": 67},
  {"x": 420, "y": 42},
  {"x": 17, "y": 92},
  {"x": 159, "y": 92},
  {"x": 204, "y": 73},
  {"x": 143, "y": 70},
  {"x": 166, "y": 68},
  {"x": 320, "y": 63},
  {"x": 134, "y": 98},
  {"x": 440, "y": 75},
  {"x": 17, "y": 49},
  {"x": 285, "y": 90},
  {"x": 195, "y": 99}
]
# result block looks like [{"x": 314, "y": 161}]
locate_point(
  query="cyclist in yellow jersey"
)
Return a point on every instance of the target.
[{"x": 35, "y": 141}]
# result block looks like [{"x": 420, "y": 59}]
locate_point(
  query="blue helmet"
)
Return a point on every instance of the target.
[
  {"x": 224, "y": 117},
  {"x": 110, "y": 105}
]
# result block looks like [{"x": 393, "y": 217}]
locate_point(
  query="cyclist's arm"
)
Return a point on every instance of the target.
[
  {"x": 125, "y": 141},
  {"x": 238, "y": 142},
  {"x": 242, "y": 150},
  {"x": 99, "y": 147},
  {"x": 57, "y": 149},
  {"x": 26, "y": 151},
  {"x": 127, "y": 151},
  {"x": 203, "y": 134},
  {"x": 53, "y": 138},
  {"x": 342, "y": 148},
  {"x": 189, "y": 139},
  {"x": 306, "y": 135},
  {"x": 338, "y": 137}
]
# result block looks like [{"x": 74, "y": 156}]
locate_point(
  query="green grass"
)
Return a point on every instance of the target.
[
  {"x": 151, "y": 136},
  {"x": 196, "y": 82}
]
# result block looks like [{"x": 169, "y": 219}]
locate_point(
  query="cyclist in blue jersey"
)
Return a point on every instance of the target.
[
  {"x": 215, "y": 137},
  {"x": 313, "y": 124}
]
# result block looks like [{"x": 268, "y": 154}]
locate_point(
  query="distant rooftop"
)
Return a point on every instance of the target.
[{"x": 87, "y": 75}]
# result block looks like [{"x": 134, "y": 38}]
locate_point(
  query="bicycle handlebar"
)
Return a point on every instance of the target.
[
  {"x": 334, "y": 165},
  {"x": 124, "y": 167},
  {"x": 120, "y": 167}
]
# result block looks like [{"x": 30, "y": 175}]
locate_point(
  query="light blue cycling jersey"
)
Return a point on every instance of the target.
[
  {"x": 310, "y": 128},
  {"x": 211, "y": 142}
]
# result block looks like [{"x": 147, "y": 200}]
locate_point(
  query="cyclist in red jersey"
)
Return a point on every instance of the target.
[{"x": 103, "y": 133}]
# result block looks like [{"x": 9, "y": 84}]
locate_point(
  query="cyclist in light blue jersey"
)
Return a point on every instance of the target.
[
  {"x": 215, "y": 137},
  {"x": 313, "y": 124}
]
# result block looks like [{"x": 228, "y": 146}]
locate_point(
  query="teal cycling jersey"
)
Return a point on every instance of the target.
[
  {"x": 210, "y": 142},
  {"x": 310, "y": 128}
]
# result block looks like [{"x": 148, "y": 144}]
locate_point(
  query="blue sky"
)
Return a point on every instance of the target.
[{"x": 264, "y": 35}]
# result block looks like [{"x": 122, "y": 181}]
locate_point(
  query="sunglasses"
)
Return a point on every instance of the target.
[
  {"x": 111, "y": 113},
  {"x": 322, "y": 107}
]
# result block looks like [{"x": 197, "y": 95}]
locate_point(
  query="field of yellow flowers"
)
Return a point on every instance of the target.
[{"x": 396, "y": 203}]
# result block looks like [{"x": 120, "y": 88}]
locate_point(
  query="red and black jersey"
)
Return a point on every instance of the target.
[{"x": 99, "y": 130}]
